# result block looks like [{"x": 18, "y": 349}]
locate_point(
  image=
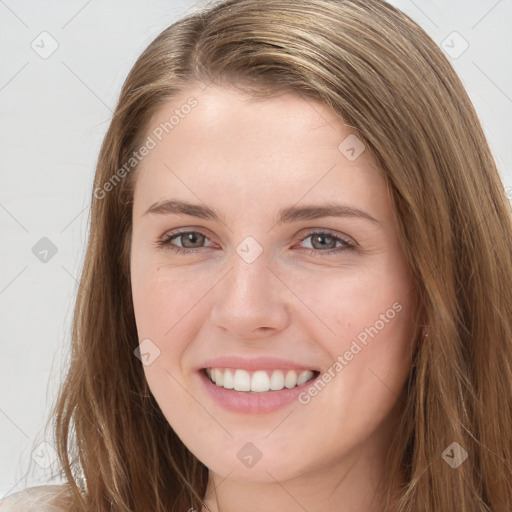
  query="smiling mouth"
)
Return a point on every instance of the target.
[{"x": 259, "y": 381}]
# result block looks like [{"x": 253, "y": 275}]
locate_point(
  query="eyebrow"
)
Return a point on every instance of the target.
[{"x": 285, "y": 215}]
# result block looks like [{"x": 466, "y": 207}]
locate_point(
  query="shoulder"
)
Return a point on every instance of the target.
[{"x": 44, "y": 498}]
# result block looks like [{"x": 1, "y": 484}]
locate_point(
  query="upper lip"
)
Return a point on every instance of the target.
[{"x": 255, "y": 363}]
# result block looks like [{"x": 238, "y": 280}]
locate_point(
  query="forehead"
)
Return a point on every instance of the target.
[
  {"x": 219, "y": 140},
  {"x": 213, "y": 114}
]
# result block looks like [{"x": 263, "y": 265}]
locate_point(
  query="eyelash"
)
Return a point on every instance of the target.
[{"x": 165, "y": 242}]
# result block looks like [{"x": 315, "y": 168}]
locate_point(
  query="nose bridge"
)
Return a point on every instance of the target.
[
  {"x": 250, "y": 276},
  {"x": 249, "y": 296}
]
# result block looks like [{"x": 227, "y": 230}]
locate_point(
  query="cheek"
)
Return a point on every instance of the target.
[
  {"x": 160, "y": 299},
  {"x": 371, "y": 359},
  {"x": 164, "y": 308},
  {"x": 364, "y": 322},
  {"x": 346, "y": 302},
  {"x": 168, "y": 307},
  {"x": 158, "y": 306}
]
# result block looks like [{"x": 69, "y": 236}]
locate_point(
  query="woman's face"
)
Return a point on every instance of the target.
[{"x": 288, "y": 267}]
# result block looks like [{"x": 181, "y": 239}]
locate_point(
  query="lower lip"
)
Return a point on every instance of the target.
[{"x": 250, "y": 402}]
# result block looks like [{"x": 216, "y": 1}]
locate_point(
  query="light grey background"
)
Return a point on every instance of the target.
[{"x": 54, "y": 112}]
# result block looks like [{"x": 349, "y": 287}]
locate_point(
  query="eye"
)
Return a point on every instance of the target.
[
  {"x": 323, "y": 242},
  {"x": 318, "y": 239},
  {"x": 190, "y": 240}
]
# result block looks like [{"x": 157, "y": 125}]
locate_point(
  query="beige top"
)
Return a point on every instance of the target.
[{"x": 44, "y": 498}]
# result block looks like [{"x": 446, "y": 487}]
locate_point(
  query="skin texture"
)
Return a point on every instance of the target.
[{"x": 247, "y": 159}]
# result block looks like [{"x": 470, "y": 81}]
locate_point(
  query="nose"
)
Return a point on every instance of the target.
[{"x": 250, "y": 301}]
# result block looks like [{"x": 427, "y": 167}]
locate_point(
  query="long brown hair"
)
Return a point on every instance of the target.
[{"x": 387, "y": 80}]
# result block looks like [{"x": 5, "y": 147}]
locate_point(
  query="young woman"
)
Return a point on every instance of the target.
[{"x": 297, "y": 293}]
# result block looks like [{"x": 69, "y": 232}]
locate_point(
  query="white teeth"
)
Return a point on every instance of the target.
[
  {"x": 259, "y": 381},
  {"x": 228, "y": 382},
  {"x": 304, "y": 377},
  {"x": 218, "y": 376},
  {"x": 277, "y": 380},
  {"x": 242, "y": 380},
  {"x": 290, "y": 381}
]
